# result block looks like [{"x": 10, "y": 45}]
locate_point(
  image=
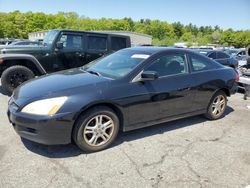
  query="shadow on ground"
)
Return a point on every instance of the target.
[{"x": 70, "y": 150}]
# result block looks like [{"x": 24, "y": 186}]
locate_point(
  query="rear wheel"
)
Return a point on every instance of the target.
[
  {"x": 217, "y": 106},
  {"x": 96, "y": 129},
  {"x": 15, "y": 76}
]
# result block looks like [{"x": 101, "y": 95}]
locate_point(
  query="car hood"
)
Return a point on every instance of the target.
[
  {"x": 21, "y": 48},
  {"x": 62, "y": 83}
]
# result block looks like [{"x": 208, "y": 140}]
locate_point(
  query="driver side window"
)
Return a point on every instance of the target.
[
  {"x": 169, "y": 65},
  {"x": 71, "y": 41}
]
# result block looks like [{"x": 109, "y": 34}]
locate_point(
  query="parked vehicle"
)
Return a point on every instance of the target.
[
  {"x": 221, "y": 57},
  {"x": 61, "y": 49},
  {"x": 6, "y": 41},
  {"x": 129, "y": 89},
  {"x": 244, "y": 80},
  {"x": 239, "y": 54},
  {"x": 2, "y": 41},
  {"x": 9, "y": 41}
]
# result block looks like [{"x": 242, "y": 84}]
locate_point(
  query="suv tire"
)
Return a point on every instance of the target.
[{"x": 14, "y": 76}]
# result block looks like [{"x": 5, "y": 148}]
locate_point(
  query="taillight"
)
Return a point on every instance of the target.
[{"x": 237, "y": 77}]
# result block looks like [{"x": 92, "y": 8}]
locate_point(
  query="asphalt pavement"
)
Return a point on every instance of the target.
[{"x": 191, "y": 152}]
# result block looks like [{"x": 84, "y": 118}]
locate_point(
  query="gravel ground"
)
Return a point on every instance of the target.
[{"x": 191, "y": 152}]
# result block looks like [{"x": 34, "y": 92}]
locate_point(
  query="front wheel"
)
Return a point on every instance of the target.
[
  {"x": 15, "y": 76},
  {"x": 96, "y": 129},
  {"x": 217, "y": 106}
]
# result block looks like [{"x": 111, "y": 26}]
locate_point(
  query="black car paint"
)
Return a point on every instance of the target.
[{"x": 138, "y": 104}]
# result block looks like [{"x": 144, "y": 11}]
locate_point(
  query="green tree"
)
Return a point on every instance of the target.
[
  {"x": 216, "y": 36},
  {"x": 187, "y": 37},
  {"x": 228, "y": 37},
  {"x": 192, "y": 29},
  {"x": 178, "y": 29}
]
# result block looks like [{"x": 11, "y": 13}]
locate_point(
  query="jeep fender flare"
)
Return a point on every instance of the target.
[{"x": 31, "y": 58}]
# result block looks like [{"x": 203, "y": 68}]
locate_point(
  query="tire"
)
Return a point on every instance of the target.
[
  {"x": 89, "y": 136},
  {"x": 14, "y": 76},
  {"x": 217, "y": 106}
]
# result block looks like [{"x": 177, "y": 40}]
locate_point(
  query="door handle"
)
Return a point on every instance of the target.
[{"x": 45, "y": 54}]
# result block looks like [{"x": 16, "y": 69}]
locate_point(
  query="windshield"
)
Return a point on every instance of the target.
[
  {"x": 50, "y": 37},
  {"x": 117, "y": 65}
]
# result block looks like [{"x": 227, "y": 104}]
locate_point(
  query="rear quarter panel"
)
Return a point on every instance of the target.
[{"x": 207, "y": 83}]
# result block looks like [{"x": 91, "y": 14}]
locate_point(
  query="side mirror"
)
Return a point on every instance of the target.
[
  {"x": 149, "y": 75},
  {"x": 59, "y": 45}
]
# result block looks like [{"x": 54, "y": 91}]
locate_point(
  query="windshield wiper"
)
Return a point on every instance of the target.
[{"x": 94, "y": 72}]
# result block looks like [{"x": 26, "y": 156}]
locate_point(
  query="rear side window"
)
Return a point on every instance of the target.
[
  {"x": 71, "y": 41},
  {"x": 212, "y": 55},
  {"x": 221, "y": 55},
  {"x": 118, "y": 43},
  {"x": 199, "y": 63},
  {"x": 97, "y": 43}
]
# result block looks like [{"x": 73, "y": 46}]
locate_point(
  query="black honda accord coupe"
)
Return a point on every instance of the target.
[{"x": 129, "y": 89}]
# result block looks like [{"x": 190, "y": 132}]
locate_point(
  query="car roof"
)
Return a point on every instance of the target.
[
  {"x": 84, "y": 31},
  {"x": 155, "y": 49}
]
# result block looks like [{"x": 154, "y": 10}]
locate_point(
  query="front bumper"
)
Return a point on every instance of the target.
[{"x": 48, "y": 130}]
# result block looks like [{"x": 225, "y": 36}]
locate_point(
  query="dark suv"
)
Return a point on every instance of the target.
[{"x": 60, "y": 50}]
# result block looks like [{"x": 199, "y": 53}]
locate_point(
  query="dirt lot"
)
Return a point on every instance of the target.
[{"x": 192, "y": 152}]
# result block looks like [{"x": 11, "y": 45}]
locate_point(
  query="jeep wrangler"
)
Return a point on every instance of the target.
[{"x": 60, "y": 50}]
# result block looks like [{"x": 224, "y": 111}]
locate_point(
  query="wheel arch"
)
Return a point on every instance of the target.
[
  {"x": 116, "y": 108},
  {"x": 28, "y": 61},
  {"x": 226, "y": 91}
]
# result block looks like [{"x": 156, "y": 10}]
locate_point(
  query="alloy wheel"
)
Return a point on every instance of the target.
[
  {"x": 98, "y": 130},
  {"x": 218, "y": 105}
]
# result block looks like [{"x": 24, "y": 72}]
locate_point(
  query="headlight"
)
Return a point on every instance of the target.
[{"x": 45, "y": 107}]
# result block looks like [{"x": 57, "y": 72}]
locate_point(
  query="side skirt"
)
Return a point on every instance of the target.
[{"x": 171, "y": 118}]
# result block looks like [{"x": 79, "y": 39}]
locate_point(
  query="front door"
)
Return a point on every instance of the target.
[
  {"x": 168, "y": 96},
  {"x": 73, "y": 52}
]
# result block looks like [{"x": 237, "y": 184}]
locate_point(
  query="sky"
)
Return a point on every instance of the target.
[{"x": 233, "y": 14}]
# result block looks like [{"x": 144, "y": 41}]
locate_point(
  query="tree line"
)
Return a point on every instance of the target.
[{"x": 17, "y": 25}]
